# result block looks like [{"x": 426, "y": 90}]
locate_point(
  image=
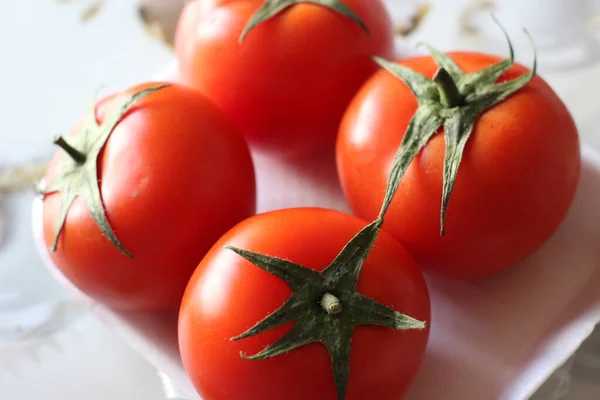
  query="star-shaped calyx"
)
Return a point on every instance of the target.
[
  {"x": 325, "y": 305},
  {"x": 454, "y": 100},
  {"x": 79, "y": 172},
  {"x": 273, "y": 7}
]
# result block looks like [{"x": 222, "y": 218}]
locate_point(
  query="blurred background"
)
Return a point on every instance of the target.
[{"x": 56, "y": 53}]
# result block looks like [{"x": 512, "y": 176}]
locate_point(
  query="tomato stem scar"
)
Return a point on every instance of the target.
[{"x": 331, "y": 304}]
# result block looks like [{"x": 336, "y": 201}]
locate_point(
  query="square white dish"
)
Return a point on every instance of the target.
[
  {"x": 497, "y": 339},
  {"x": 500, "y": 338}
]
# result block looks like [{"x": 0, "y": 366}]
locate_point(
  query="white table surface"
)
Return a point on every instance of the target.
[{"x": 52, "y": 63}]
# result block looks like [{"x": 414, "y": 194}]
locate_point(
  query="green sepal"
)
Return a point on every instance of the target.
[
  {"x": 422, "y": 126},
  {"x": 273, "y": 7},
  {"x": 454, "y": 100},
  {"x": 313, "y": 323},
  {"x": 79, "y": 173}
]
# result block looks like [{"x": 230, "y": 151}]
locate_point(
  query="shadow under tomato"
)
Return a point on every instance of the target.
[{"x": 308, "y": 181}]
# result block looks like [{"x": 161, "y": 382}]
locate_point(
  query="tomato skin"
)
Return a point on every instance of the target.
[
  {"x": 515, "y": 184},
  {"x": 288, "y": 84},
  {"x": 227, "y": 295},
  {"x": 174, "y": 175}
]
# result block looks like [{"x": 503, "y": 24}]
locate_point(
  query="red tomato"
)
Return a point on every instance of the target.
[
  {"x": 174, "y": 175},
  {"x": 227, "y": 295},
  {"x": 517, "y": 178},
  {"x": 286, "y": 86}
]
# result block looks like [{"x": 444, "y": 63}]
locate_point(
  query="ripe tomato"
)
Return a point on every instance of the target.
[
  {"x": 517, "y": 178},
  {"x": 173, "y": 176},
  {"x": 227, "y": 295},
  {"x": 286, "y": 86}
]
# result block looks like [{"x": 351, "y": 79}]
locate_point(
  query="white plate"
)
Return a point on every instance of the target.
[{"x": 497, "y": 339}]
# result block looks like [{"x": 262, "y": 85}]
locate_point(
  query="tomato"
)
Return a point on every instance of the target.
[
  {"x": 173, "y": 176},
  {"x": 516, "y": 181},
  {"x": 287, "y": 84},
  {"x": 227, "y": 295}
]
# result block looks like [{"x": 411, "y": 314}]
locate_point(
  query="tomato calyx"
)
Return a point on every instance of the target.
[
  {"x": 452, "y": 99},
  {"x": 450, "y": 96},
  {"x": 79, "y": 175},
  {"x": 273, "y": 7},
  {"x": 325, "y": 305}
]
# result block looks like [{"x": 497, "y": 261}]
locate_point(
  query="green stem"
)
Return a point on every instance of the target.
[
  {"x": 449, "y": 95},
  {"x": 75, "y": 154},
  {"x": 331, "y": 304}
]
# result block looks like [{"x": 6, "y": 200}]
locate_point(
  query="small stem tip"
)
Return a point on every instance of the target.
[
  {"x": 449, "y": 94},
  {"x": 331, "y": 304},
  {"x": 75, "y": 154}
]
